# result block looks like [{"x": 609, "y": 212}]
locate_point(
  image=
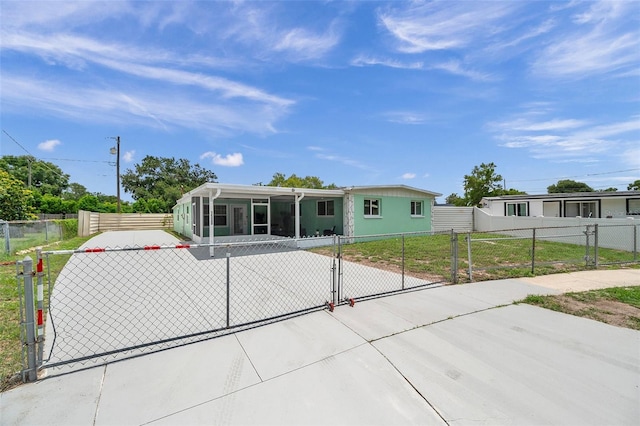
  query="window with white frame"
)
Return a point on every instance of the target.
[
  {"x": 581, "y": 209},
  {"x": 371, "y": 207},
  {"x": 517, "y": 209},
  {"x": 416, "y": 208},
  {"x": 325, "y": 208},
  {"x": 633, "y": 206},
  {"x": 220, "y": 215}
]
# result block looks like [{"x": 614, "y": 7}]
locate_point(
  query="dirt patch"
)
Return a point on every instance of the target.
[{"x": 607, "y": 311}]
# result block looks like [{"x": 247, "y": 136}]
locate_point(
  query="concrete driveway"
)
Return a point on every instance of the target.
[{"x": 462, "y": 355}]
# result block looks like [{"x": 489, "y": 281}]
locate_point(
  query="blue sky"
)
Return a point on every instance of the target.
[{"x": 356, "y": 93}]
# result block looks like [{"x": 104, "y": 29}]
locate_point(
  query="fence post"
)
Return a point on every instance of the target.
[
  {"x": 7, "y": 241},
  {"x": 587, "y": 245},
  {"x": 635, "y": 242},
  {"x": 469, "y": 255},
  {"x": 533, "y": 252},
  {"x": 595, "y": 245},
  {"x": 31, "y": 372},
  {"x": 454, "y": 257},
  {"x": 402, "y": 261},
  {"x": 40, "y": 301},
  {"x": 228, "y": 286}
]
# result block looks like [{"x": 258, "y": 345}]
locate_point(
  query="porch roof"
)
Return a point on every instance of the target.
[{"x": 252, "y": 191}]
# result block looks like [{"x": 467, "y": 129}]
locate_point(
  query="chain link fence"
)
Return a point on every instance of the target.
[
  {"x": 21, "y": 235},
  {"x": 109, "y": 303},
  {"x": 540, "y": 251}
]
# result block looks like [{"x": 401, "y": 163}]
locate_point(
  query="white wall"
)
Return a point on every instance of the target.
[
  {"x": 621, "y": 234},
  {"x": 445, "y": 218}
]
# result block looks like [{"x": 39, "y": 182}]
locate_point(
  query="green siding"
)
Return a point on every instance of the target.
[
  {"x": 182, "y": 220},
  {"x": 311, "y": 222},
  {"x": 395, "y": 216}
]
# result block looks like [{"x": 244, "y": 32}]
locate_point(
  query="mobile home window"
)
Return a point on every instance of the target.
[
  {"x": 633, "y": 207},
  {"x": 371, "y": 207},
  {"x": 581, "y": 208},
  {"x": 416, "y": 208},
  {"x": 220, "y": 214},
  {"x": 517, "y": 209},
  {"x": 325, "y": 208}
]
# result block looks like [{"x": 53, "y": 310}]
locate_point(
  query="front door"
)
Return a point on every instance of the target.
[{"x": 238, "y": 220}]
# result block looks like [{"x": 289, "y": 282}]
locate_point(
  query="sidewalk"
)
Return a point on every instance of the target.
[{"x": 457, "y": 354}]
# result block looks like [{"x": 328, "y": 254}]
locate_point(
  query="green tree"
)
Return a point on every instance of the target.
[
  {"x": 75, "y": 191},
  {"x": 294, "y": 181},
  {"x": 634, "y": 186},
  {"x": 567, "y": 185},
  {"x": 164, "y": 179},
  {"x": 16, "y": 202},
  {"x": 45, "y": 177},
  {"x": 482, "y": 182},
  {"x": 455, "y": 200}
]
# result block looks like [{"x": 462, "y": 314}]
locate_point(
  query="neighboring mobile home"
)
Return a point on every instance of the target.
[
  {"x": 301, "y": 212},
  {"x": 579, "y": 204}
]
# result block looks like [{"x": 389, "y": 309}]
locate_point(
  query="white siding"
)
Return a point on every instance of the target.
[{"x": 445, "y": 218}]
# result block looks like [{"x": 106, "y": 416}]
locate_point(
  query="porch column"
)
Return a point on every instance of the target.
[
  {"x": 211, "y": 219},
  {"x": 298, "y": 198}
]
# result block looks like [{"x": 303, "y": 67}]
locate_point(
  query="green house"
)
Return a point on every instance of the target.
[{"x": 222, "y": 210}]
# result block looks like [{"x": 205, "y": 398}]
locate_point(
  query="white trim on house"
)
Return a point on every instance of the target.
[{"x": 579, "y": 204}]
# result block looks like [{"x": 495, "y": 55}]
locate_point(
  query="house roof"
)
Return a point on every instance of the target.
[
  {"x": 392, "y": 187},
  {"x": 252, "y": 191},
  {"x": 570, "y": 195}
]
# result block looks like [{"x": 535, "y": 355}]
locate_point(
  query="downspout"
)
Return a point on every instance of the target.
[
  {"x": 299, "y": 198},
  {"x": 211, "y": 219}
]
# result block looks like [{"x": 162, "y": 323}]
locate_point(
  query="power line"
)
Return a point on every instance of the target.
[{"x": 577, "y": 176}]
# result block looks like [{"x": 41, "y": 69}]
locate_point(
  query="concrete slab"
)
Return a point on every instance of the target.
[
  {"x": 113, "y": 239},
  {"x": 521, "y": 364},
  {"x": 356, "y": 387},
  {"x": 65, "y": 400},
  {"x": 389, "y": 315},
  {"x": 289, "y": 345},
  {"x": 587, "y": 280},
  {"x": 142, "y": 389}
]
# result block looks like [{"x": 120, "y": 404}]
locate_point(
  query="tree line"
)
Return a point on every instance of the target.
[
  {"x": 484, "y": 181},
  {"x": 29, "y": 186}
]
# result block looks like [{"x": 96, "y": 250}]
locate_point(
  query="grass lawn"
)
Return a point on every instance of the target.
[
  {"x": 618, "y": 306},
  {"x": 499, "y": 258},
  {"x": 10, "y": 345}
]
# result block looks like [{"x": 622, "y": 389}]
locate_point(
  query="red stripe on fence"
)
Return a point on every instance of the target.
[
  {"x": 94, "y": 250},
  {"x": 183, "y": 246},
  {"x": 40, "y": 317},
  {"x": 152, "y": 247},
  {"x": 39, "y": 267}
]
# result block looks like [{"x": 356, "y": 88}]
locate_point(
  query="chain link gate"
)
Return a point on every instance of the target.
[{"x": 110, "y": 303}]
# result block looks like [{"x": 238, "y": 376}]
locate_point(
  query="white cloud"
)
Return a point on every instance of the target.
[
  {"x": 420, "y": 27},
  {"x": 128, "y": 156},
  {"x": 49, "y": 145},
  {"x": 229, "y": 160},
  {"x": 567, "y": 140},
  {"x": 408, "y": 176},
  {"x": 363, "y": 60},
  {"x": 457, "y": 68},
  {"x": 405, "y": 117},
  {"x": 603, "y": 39}
]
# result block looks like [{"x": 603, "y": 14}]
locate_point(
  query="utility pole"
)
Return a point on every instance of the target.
[
  {"x": 116, "y": 151},
  {"x": 118, "y": 171}
]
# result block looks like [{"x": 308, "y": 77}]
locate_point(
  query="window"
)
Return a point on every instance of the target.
[
  {"x": 325, "y": 208},
  {"x": 517, "y": 209},
  {"x": 633, "y": 206},
  {"x": 581, "y": 208},
  {"x": 371, "y": 207},
  {"x": 416, "y": 208},
  {"x": 220, "y": 215}
]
